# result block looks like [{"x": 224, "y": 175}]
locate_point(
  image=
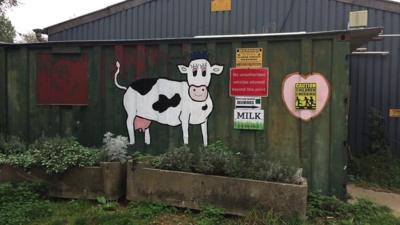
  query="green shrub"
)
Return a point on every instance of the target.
[
  {"x": 57, "y": 155},
  {"x": 215, "y": 159},
  {"x": 21, "y": 160},
  {"x": 13, "y": 145},
  {"x": 179, "y": 159},
  {"x": 262, "y": 169},
  {"x": 22, "y": 204}
]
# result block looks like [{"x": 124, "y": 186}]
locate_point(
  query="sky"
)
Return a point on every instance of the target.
[{"x": 31, "y": 14}]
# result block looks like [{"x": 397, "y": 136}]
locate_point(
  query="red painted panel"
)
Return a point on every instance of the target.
[
  {"x": 62, "y": 79},
  {"x": 249, "y": 82}
]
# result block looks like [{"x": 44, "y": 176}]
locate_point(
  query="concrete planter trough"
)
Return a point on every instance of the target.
[
  {"x": 195, "y": 191},
  {"x": 108, "y": 180}
]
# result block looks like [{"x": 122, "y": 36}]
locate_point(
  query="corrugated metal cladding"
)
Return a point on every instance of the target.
[{"x": 375, "y": 79}]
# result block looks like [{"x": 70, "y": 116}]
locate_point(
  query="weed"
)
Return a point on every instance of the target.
[
  {"x": 106, "y": 205},
  {"x": 210, "y": 216}
]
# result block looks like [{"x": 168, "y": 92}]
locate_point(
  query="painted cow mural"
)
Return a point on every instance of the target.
[{"x": 171, "y": 102}]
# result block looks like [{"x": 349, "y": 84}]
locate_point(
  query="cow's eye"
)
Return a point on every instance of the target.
[
  {"x": 204, "y": 73},
  {"x": 194, "y": 73}
]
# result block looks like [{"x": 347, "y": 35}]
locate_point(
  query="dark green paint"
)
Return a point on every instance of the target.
[
  {"x": 3, "y": 91},
  {"x": 17, "y": 92},
  {"x": 317, "y": 146},
  {"x": 338, "y": 120},
  {"x": 322, "y": 53},
  {"x": 283, "y": 129}
]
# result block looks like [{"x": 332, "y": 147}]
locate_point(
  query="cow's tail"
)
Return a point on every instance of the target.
[{"x": 116, "y": 76}]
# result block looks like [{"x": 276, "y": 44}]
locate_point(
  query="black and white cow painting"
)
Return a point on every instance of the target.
[{"x": 171, "y": 102}]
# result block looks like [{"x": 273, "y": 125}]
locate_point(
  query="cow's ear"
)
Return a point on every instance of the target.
[
  {"x": 217, "y": 69},
  {"x": 183, "y": 69}
]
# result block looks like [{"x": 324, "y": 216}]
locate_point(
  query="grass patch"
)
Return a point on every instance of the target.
[
  {"x": 23, "y": 204},
  {"x": 329, "y": 210}
]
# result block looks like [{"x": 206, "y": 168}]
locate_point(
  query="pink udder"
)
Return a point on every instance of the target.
[{"x": 141, "y": 124}]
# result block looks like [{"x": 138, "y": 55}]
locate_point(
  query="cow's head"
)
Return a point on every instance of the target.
[{"x": 199, "y": 75}]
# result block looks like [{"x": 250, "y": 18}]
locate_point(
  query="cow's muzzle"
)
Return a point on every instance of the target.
[{"x": 198, "y": 93}]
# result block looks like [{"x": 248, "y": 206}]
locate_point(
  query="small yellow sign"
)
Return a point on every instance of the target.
[
  {"x": 306, "y": 96},
  {"x": 221, "y": 5},
  {"x": 394, "y": 112},
  {"x": 249, "y": 57}
]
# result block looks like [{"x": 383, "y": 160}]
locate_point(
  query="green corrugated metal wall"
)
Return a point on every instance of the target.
[{"x": 317, "y": 146}]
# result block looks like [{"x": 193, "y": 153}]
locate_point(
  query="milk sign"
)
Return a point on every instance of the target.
[{"x": 248, "y": 119}]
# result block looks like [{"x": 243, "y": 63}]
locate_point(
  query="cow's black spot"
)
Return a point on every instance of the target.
[
  {"x": 143, "y": 86},
  {"x": 205, "y": 107},
  {"x": 164, "y": 103}
]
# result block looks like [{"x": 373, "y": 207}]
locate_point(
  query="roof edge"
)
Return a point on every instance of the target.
[
  {"x": 87, "y": 18},
  {"x": 357, "y": 37},
  {"x": 385, "y": 5}
]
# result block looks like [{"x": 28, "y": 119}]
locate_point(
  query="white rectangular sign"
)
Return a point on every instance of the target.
[
  {"x": 248, "y": 119},
  {"x": 248, "y": 102}
]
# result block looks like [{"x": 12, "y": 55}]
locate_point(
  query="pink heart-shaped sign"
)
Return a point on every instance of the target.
[{"x": 305, "y": 96}]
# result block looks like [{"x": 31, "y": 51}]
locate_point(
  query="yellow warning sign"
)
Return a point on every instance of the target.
[
  {"x": 306, "y": 96},
  {"x": 394, "y": 112},
  {"x": 249, "y": 57},
  {"x": 221, "y": 5}
]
